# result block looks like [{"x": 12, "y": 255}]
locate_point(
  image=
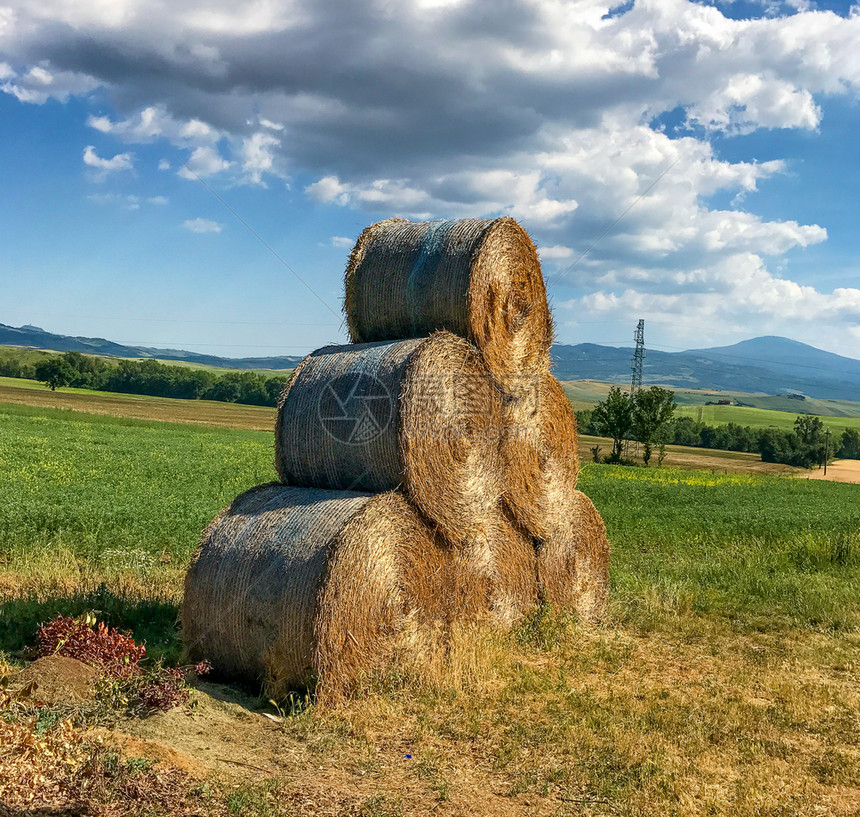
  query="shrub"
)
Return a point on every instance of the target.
[
  {"x": 105, "y": 648},
  {"x": 118, "y": 656}
]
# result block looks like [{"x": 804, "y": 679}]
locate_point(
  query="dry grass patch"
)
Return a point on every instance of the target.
[{"x": 689, "y": 715}]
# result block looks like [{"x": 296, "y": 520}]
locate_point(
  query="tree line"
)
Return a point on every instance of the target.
[
  {"x": 646, "y": 416},
  {"x": 620, "y": 417},
  {"x": 147, "y": 377}
]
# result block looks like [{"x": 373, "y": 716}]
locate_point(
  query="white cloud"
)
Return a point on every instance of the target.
[
  {"x": 545, "y": 112},
  {"x": 556, "y": 253},
  {"x": 342, "y": 241},
  {"x": 154, "y": 122},
  {"x": 42, "y": 82},
  {"x": 103, "y": 167},
  {"x": 164, "y": 164},
  {"x": 258, "y": 156},
  {"x": 202, "y": 225},
  {"x": 729, "y": 299},
  {"x": 204, "y": 161}
]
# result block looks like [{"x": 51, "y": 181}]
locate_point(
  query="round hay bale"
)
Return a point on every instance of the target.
[
  {"x": 295, "y": 585},
  {"x": 478, "y": 278},
  {"x": 423, "y": 414},
  {"x": 573, "y": 561},
  {"x": 540, "y": 457},
  {"x": 251, "y": 588}
]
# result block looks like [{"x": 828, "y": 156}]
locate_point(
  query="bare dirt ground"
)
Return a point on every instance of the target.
[
  {"x": 707, "y": 459},
  {"x": 838, "y": 471},
  {"x": 708, "y": 721}
]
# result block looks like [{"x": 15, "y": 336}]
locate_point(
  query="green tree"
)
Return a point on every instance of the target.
[
  {"x": 54, "y": 372},
  {"x": 850, "y": 444},
  {"x": 614, "y": 418},
  {"x": 810, "y": 433},
  {"x": 652, "y": 411}
]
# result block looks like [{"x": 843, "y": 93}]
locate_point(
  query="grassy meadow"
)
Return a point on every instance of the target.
[
  {"x": 762, "y": 417},
  {"x": 724, "y": 681}
]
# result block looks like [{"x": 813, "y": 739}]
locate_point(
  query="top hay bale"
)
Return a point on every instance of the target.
[{"x": 478, "y": 278}]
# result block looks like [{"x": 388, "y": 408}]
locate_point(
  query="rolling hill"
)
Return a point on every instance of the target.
[
  {"x": 36, "y": 338},
  {"x": 769, "y": 365}
]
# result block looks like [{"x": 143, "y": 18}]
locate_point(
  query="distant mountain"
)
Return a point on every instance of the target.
[
  {"x": 768, "y": 364},
  {"x": 783, "y": 355},
  {"x": 36, "y": 338}
]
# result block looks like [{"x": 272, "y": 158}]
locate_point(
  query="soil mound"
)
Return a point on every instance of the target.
[{"x": 57, "y": 679}]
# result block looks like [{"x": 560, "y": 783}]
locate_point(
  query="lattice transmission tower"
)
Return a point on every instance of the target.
[{"x": 638, "y": 357}]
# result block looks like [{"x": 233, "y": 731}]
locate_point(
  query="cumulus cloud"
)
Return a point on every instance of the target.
[
  {"x": 204, "y": 161},
  {"x": 550, "y": 111},
  {"x": 154, "y": 122},
  {"x": 41, "y": 82},
  {"x": 104, "y": 167},
  {"x": 258, "y": 156},
  {"x": 342, "y": 241},
  {"x": 202, "y": 225},
  {"x": 728, "y": 299}
]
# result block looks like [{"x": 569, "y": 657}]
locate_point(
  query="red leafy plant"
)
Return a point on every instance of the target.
[
  {"x": 108, "y": 649},
  {"x": 167, "y": 687},
  {"x": 117, "y": 655}
]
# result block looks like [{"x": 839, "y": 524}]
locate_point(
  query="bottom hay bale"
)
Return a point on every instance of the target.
[
  {"x": 573, "y": 561},
  {"x": 294, "y": 587}
]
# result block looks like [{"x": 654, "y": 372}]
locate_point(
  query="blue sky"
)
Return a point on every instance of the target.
[{"x": 312, "y": 120}]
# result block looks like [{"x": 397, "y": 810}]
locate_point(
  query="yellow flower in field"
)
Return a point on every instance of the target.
[{"x": 671, "y": 476}]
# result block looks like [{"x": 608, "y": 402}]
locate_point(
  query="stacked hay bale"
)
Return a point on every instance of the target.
[
  {"x": 428, "y": 474},
  {"x": 481, "y": 279}
]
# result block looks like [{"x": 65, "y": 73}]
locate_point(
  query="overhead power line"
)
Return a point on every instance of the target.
[{"x": 260, "y": 238}]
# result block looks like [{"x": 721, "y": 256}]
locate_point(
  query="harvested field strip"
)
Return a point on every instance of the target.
[
  {"x": 683, "y": 456},
  {"x": 231, "y": 415},
  {"x": 198, "y": 412}
]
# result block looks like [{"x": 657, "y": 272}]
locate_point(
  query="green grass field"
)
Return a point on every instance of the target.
[
  {"x": 758, "y": 417},
  {"x": 117, "y": 493},
  {"x": 88, "y": 484},
  {"x": 723, "y": 682}
]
